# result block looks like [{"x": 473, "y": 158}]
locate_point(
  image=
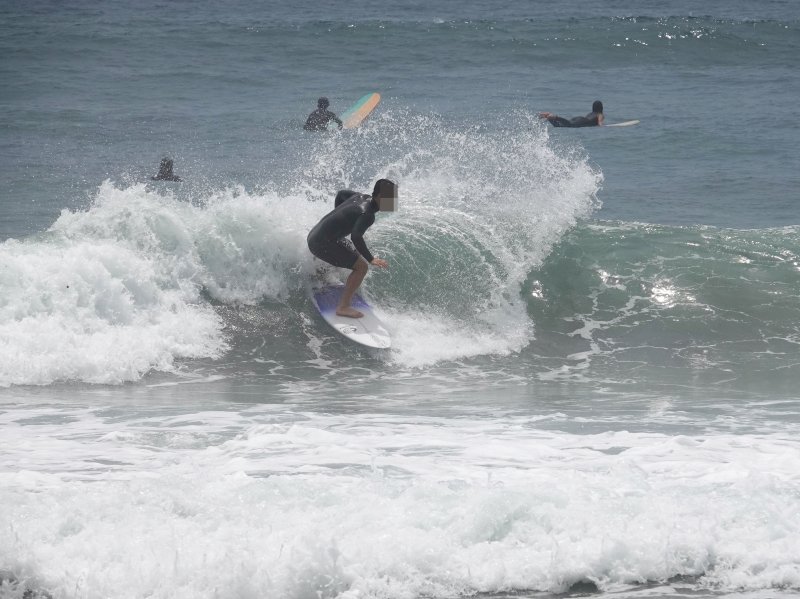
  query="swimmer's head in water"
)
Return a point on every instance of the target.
[
  {"x": 165, "y": 171},
  {"x": 597, "y": 106},
  {"x": 385, "y": 194},
  {"x": 323, "y": 102}
]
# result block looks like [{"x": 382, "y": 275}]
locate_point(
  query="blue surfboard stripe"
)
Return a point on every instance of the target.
[
  {"x": 361, "y": 101},
  {"x": 328, "y": 299}
]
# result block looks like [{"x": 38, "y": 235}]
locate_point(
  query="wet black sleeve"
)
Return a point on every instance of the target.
[{"x": 363, "y": 223}]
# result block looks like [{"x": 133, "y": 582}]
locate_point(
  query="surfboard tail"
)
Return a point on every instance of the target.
[
  {"x": 356, "y": 114},
  {"x": 367, "y": 330}
]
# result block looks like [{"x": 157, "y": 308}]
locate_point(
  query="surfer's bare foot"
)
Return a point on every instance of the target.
[{"x": 349, "y": 312}]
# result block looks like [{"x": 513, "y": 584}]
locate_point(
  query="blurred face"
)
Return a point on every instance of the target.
[
  {"x": 387, "y": 203},
  {"x": 385, "y": 195}
]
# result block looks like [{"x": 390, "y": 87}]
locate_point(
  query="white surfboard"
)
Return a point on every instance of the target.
[
  {"x": 367, "y": 330},
  {"x": 623, "y": 124}
]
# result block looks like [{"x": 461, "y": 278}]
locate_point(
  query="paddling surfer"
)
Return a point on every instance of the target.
[{"x": 593, "y": 119}]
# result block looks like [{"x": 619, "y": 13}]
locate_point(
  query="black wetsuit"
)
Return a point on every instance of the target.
[
  {"x": 590, "y": 120},
  {"x": 352, "y": 215},
  {"x": 165, "y": 172},
  {"x": 319, "y": 119}
]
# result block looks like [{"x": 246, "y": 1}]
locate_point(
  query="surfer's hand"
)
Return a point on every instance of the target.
[{"x": 380, "y": 262}]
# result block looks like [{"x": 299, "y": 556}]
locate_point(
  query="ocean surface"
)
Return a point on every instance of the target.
[{"x": 594, "y": 384}]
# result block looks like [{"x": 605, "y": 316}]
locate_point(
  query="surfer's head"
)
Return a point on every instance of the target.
[
  {"x": 597, "y": 106},
  {"x": 323, "y": 102},
  {"x": 385, "y": 195},
  {"x": 165, "y": 171},
  {"x": 165, "y": 168}
]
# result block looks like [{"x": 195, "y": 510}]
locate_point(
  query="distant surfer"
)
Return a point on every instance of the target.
[
  {"x": 352, "y": 215},
  {"x": 319, "y": 119},
  {"x": 165, "y": 171},
  {"x": 593, "y": 119}
]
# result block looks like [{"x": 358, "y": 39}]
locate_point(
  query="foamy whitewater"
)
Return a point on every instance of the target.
[
  {"x": 267, "y": 502},
  {"x": 592, "y": 385},
  {"x": 130, "y": 284}
]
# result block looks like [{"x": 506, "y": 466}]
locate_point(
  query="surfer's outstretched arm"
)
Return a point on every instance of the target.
[{"x": 555, "y": 120}]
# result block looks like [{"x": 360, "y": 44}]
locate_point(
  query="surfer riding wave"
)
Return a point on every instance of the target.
[{"x": 352, "y": 215}]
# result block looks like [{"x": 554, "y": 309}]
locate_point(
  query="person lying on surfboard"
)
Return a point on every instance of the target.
[
  {"x": 352, "y": 215},
  {"x": 319, "y": 119},
  {"x": 593, "y": 119}
]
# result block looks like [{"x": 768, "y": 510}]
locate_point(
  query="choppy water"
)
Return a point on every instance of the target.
[{"x": 593, "y": 382}]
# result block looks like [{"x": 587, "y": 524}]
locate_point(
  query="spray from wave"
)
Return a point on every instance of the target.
[{"x": 134, "y": 283}]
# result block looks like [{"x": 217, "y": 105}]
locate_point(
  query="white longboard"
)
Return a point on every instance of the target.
[
  {"x": 367, "y": 330},
  {"x": 623, "y": 124}
]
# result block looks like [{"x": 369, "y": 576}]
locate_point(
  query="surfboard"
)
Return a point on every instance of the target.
[
  {"x": 623, "y": 124},
  {"x": 368, "y": 330},
  {"x": 355, "y": 115}
]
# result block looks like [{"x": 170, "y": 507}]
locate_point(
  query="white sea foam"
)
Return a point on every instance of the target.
[
  {"x": 268, "y": 503},
  {"x": 123, "y": 287},
  {"x": 115, "y": 291},
  {"x": 422, "y": 339},
  {"x": 477, "y": 211},
  {"x": 93, "y": 311}
]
